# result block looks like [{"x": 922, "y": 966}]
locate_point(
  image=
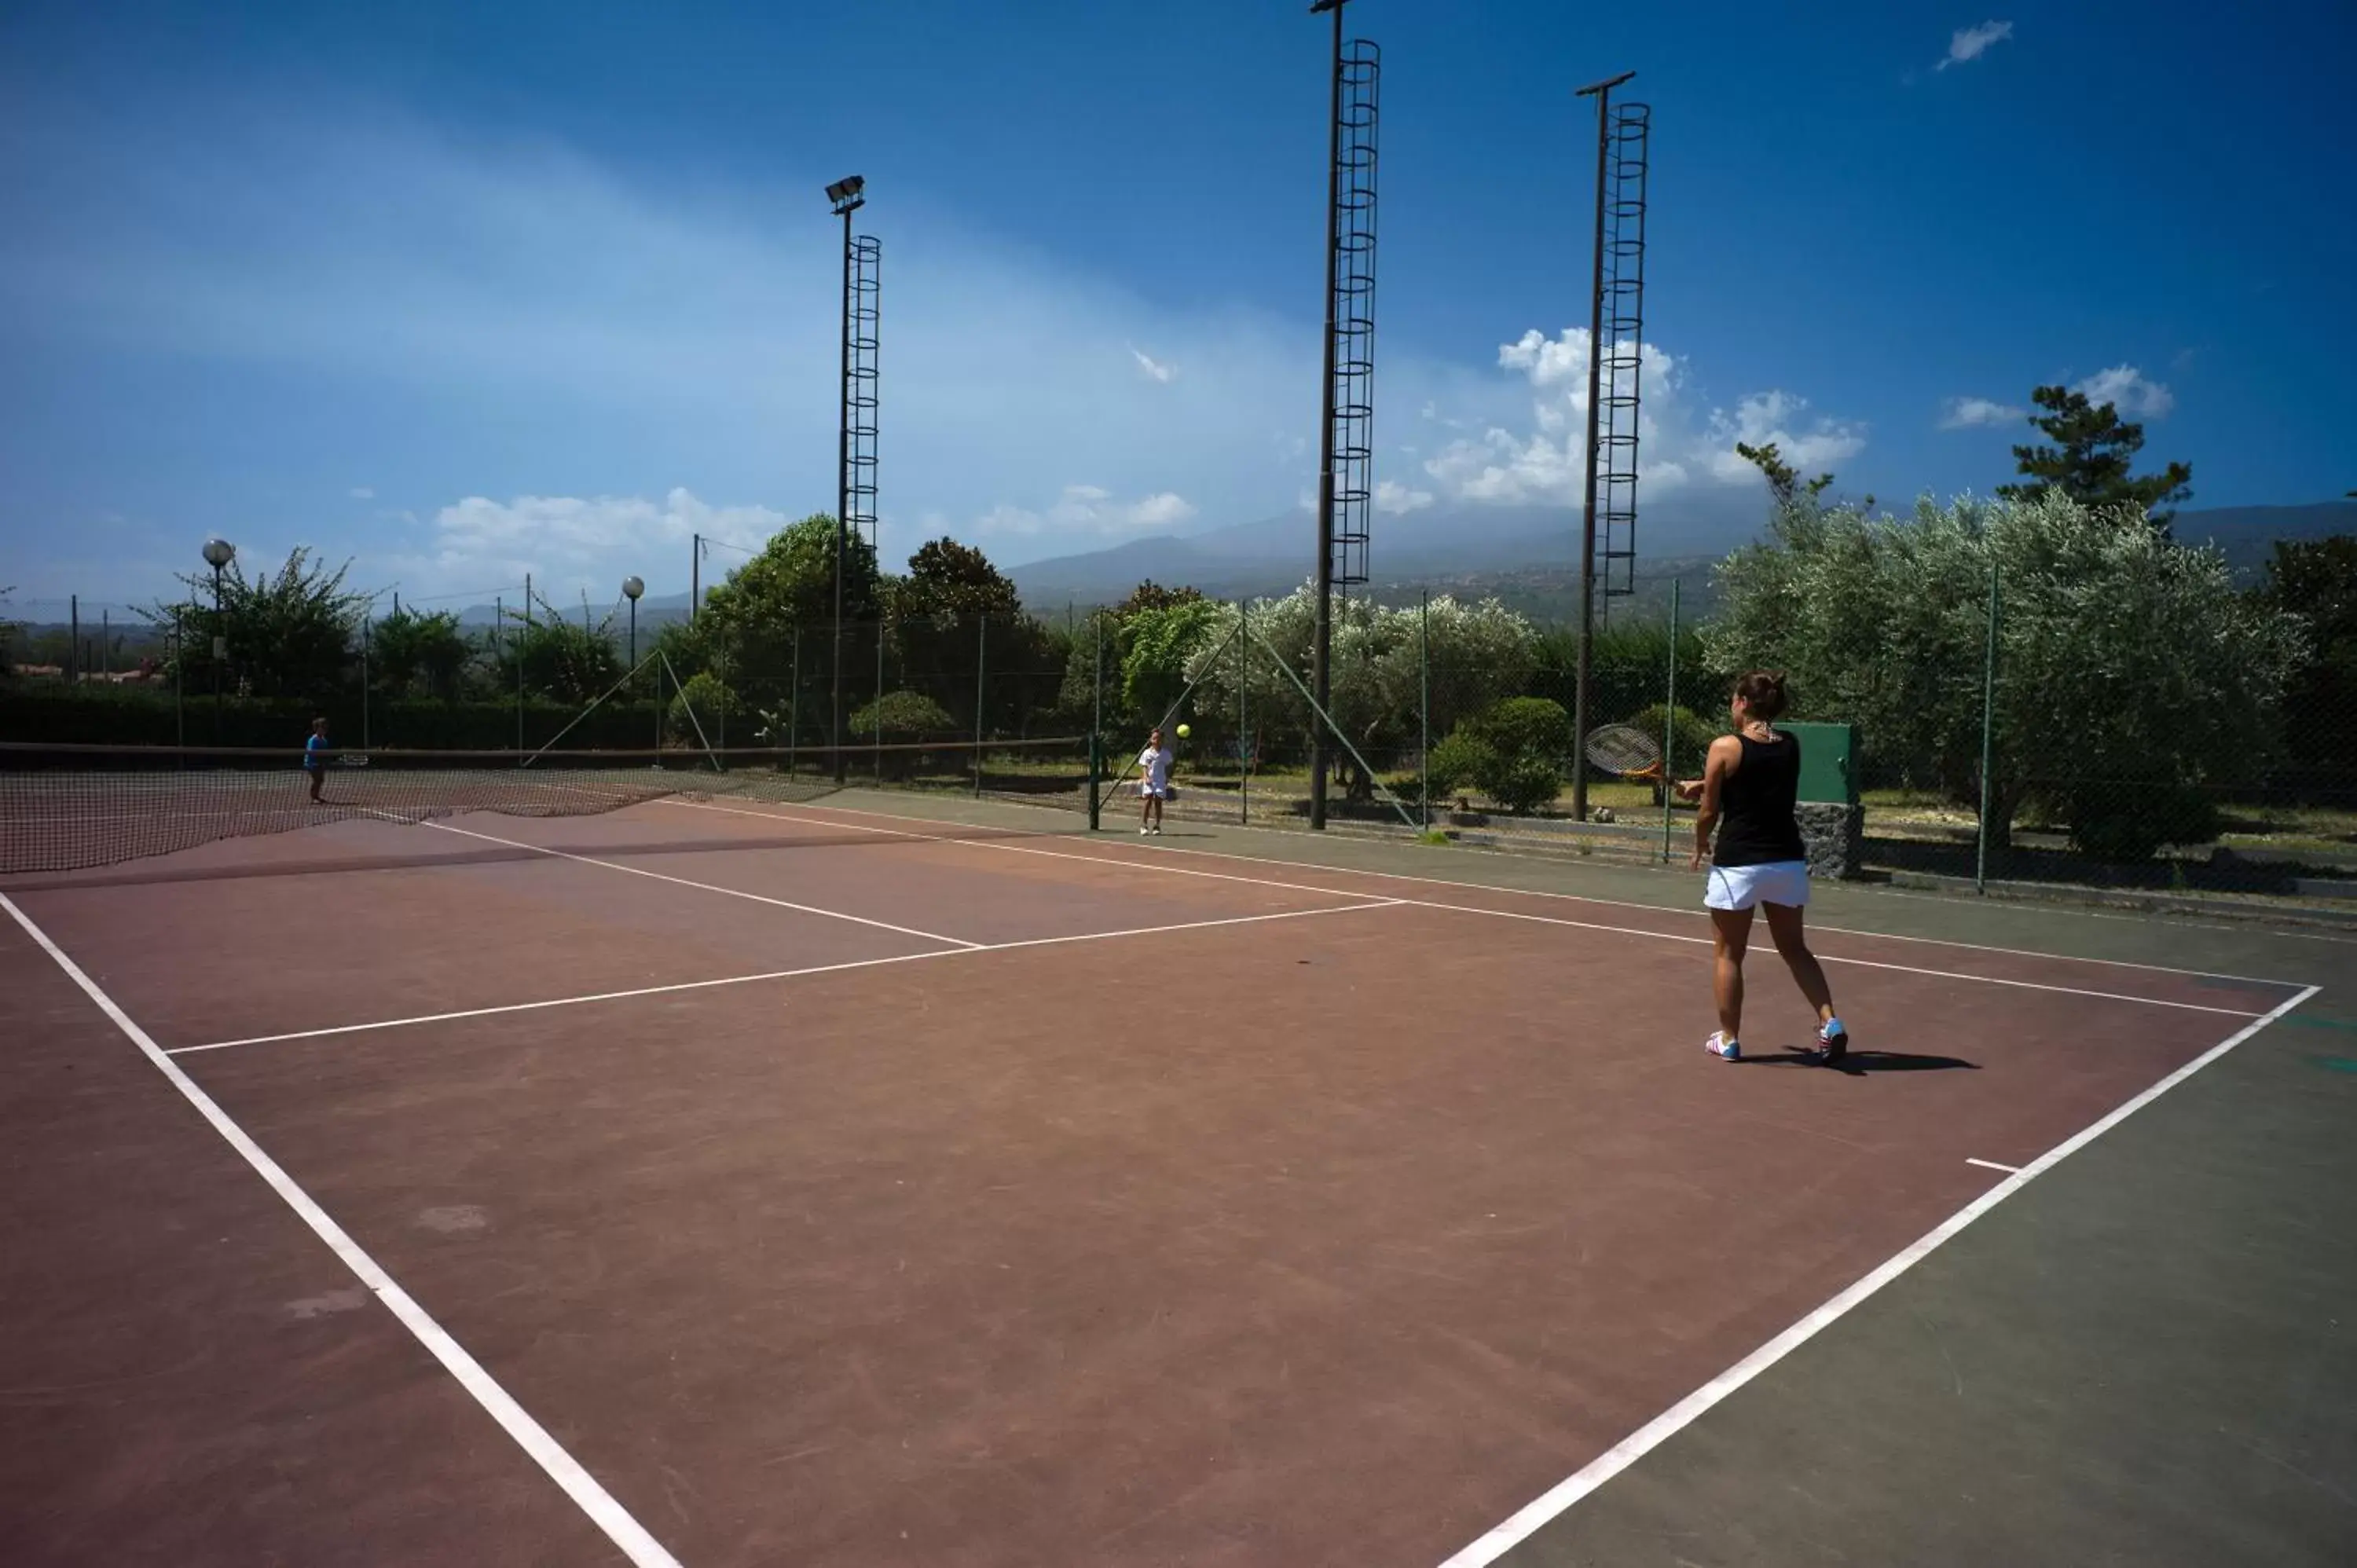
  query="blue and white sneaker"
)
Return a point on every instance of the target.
[
  {"x": 1832, "y": 1041},
  {"x": 1720, "y": 1045}
]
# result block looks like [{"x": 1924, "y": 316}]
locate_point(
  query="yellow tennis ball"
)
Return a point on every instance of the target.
[{"x": 1184, "y": 732}]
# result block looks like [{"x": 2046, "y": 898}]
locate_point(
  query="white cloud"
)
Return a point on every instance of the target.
[
  {"x": 2127, "y": 388},
  {"x": 362, "y": 493},
  {"x": 1678, "y": 445},
  {"x": 625, "y": 333},
  {"x": 569, "y": 542},
  {"x": 1971, "y": 412},
  {"x": 1971, "y": 43},
  {"x": 1089, "y": 510}
]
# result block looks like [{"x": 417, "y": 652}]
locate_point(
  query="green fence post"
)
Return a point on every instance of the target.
[
  {"x": 1669, "y": 735},
  {"x": 1096, "y": 723},
  {"x": 794, "y": 707},
  {"x": 1423, "y": 705},
  {"x": 879, "y": 696},
  {"x": 981, "y": 663},
  {"x": 1245, "y": 748},
  {"x": 1988, "y": 738}
]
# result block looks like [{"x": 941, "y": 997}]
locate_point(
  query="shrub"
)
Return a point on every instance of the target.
[
  {"x": 1690, "y": 740},
  {"x": 1526, "y": 727},
  {"x": 903, "y": 716},
  {"x": 707, "y": 705},
  {"x": 1459, "y": 759},
  {"x": 2130, "y": 823},
  {"x": 1524, "y": 784}
]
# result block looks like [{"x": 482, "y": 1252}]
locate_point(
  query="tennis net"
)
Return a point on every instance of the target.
[{"x": 69, "y": 808}]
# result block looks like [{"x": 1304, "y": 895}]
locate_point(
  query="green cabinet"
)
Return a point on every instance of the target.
[{"x": 1828, "y": 761}]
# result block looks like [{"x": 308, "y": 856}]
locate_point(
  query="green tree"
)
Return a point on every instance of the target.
[
  {"x": 289, "y": 634},
  {"x": 419, "y": 655},
  {"x": 1158, "y": 646},
  {"x": 2132, "y": 675},
  {"x": 946, "y": 578},
  {"x": 550, "y": 656},
  {"x": 751, "y": 616},
  {"x": 1151, "y": 596},
  {"x": 2089, "y": 458},
  {"x": 2316, "y": 580},
  {"x": 1784, "y": 482},
  {"x": 1478, "y": 655},
  {"x": 959, "y": 631}
]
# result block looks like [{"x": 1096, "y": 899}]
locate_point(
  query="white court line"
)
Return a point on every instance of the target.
[
  {"x": 1125, "y": 863},
  {"x": 772, "y": 974},
  {"x": 592, "y": 1499},
  {"x": 1655, "y": 908},
  {"x": 1557, "y": 1499},
  {"x": 1993, "y": 1165},
  {"x": 704, "y": 886}
]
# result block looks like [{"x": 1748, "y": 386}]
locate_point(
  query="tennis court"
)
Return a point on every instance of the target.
[{"x": 727, "y": 1182}]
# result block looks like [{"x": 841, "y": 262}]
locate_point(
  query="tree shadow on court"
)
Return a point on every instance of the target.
[{"x": 1859, "y": 1064}]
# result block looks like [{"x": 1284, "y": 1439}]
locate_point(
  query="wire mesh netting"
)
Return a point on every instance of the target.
[
  {"x": 1983, "y": 755},
  {"x": 68, "y": 808}
]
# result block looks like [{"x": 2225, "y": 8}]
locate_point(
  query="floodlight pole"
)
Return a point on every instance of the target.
[
  {"x": 1602, "y": 92},
  {"x": 1322, "y": 641},
  {"x": 845, "y": 194}
]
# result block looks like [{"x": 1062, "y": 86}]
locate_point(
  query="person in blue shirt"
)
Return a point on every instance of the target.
[{"x": 315, "y": 759}]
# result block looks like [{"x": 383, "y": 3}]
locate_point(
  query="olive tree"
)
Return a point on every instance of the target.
[{"x": 2134, "y": 679}]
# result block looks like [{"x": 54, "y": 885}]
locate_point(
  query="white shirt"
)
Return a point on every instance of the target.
[{"x": 1157, "y": 763}]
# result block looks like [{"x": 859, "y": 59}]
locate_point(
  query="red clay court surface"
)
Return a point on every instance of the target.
[{"x": 738, "y": 1184}]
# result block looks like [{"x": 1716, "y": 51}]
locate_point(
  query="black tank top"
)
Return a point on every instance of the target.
[{"x": 1756, "y": 825}]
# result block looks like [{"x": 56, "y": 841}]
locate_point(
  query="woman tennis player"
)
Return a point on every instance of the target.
[{"x": 1750, "y": 783}]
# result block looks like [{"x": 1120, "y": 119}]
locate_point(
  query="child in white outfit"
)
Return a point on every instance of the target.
[{"x": 1154, "y": 787}]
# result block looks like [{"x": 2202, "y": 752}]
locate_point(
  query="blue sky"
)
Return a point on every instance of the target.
[{"x": 464, "y": 291}]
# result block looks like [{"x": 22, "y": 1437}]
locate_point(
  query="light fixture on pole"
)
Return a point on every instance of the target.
[
  {"x": 632, "y": 589},
  {"x": 218, "y": 554},
  {"x": 845, "y": 196}
]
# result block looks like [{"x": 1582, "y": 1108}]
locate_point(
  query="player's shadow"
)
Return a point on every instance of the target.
[{"x": 1858, "y": 1064}]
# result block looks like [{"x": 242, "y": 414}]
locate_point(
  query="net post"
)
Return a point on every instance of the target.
[
  {"x": 877, "y": 760},
  {"x": 981, "y": 665},
  {"x": 1095, "y": 803},
  {"x": 1670, "y": 732},
  {"x": 179, "y": 669},
  {"x": 1424, "y": 707},
  {"x": 1988, "y": 739},
  {"x": 794, "y": 706}
]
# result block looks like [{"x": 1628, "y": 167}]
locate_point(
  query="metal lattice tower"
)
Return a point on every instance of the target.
[
  {"x": 1353, "y": 284},
  {"x": 861, "y": 320},
  {"x": 1621, "y": 346}
]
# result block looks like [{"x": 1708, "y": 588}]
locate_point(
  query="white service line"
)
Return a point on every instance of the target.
[
  {"x": 1560, "y": 1497},
  {"x": 771, "y": 974},
  {"x": 1690, "y": 912},
  {"x": 1992, "y": 1166},
  {"x": 609, "y": 1516},
  {"x": 704, "y": 886},
  {"x": 1122, "y": 862}
]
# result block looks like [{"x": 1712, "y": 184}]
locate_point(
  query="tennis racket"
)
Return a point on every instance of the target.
[{"x": 1626, "y": 751}]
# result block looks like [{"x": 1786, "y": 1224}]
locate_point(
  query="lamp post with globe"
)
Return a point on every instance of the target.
[
  {"x": 218, "y": 554},
  {"x": 631, "y": 588}
]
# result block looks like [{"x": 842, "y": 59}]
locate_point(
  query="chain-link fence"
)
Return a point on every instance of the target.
[{"x": 1994, "y": 762}]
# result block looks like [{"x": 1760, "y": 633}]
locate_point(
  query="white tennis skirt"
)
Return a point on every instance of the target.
[{"x": 1741, "y": 886}]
